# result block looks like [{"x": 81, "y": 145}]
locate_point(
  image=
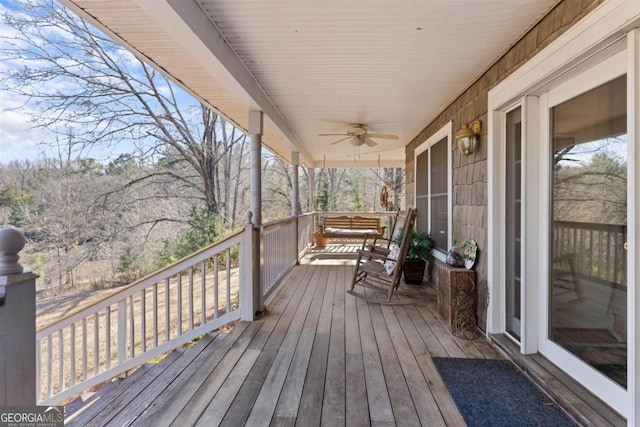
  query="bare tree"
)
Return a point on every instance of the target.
[{"x": 83, "y": 85}]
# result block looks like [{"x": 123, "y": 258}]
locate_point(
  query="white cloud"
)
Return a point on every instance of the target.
[{"x": 18, "y": 137}]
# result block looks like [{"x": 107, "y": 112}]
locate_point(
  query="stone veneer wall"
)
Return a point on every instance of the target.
[{"x": 469, "y": 192}]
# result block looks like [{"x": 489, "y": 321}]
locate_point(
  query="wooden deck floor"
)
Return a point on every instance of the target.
[{"x": 317, "y": 357}]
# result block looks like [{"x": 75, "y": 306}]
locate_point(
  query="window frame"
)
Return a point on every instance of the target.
[{"x": 445, "y": 132}]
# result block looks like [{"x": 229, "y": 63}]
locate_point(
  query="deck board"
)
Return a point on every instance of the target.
[
  {"x": 317, "y": 357},
  {"x": 377, "y": 394},
  {"x": 404, "y": 410},
  {"x": 267, "y": 399},
  {"x": 289, "y": 399},
  {"x": 333, "y": 407},
  {"x": 355, "y": 388},
  {"x": 258, "y": 358},
  {"x": 418, "y": 387},
  {"x": 309, "y": 412}
]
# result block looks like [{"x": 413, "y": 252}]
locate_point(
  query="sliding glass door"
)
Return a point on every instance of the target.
[{"x": 587, "y": 309}]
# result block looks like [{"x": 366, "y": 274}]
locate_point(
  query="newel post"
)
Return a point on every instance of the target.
[{"x": 17, "y": 324}]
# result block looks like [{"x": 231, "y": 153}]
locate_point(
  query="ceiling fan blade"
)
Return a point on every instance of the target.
[
  {"x": 340, "y": 140},
  {"x": 370, "y": 142},
  {"x": 333, "y": 134},
  {"x": 382, "y": 136}
]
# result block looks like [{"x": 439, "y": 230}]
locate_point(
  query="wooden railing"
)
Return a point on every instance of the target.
[
  {"x": 151, "y": 316},
  {"x": 165, "y": 310},
  {"x": 305, "y": 232},
  {"x": 597, "y": 250},
  {"x": 283, "y": 243},
  {"x": 279, "y": 253}
]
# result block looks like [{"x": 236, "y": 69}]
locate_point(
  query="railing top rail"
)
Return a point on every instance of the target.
[
  {"x": 144, "y": 282},
  {"x": 278, "y": 222}
]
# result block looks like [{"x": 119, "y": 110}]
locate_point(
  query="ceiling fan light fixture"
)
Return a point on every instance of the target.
[{"x": 356, "y": 141}]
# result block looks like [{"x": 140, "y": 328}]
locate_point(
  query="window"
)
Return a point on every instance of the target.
[{"x": 432, "y": 187}]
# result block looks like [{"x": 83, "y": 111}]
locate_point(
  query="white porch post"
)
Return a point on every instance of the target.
[
  {"x": 295, "y": 197},
  {"x": 255, "y": 131},
  {"x": 312, "y": 195},
  {"x": 17, "y": 324}
]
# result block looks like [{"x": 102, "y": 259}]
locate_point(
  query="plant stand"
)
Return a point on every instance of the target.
[{"x": 448, "y": 278}]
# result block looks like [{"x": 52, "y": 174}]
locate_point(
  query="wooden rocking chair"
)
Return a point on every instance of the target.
[{"x": 382, "y": 272}]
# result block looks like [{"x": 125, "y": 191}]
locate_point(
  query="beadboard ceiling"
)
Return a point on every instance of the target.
[{"x": 319, "y": 66}]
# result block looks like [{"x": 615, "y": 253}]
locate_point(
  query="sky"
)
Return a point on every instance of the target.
[{"x": 18, "y": 137}]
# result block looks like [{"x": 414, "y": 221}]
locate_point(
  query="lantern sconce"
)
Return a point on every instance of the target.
[{"x": 468, "y": 137}]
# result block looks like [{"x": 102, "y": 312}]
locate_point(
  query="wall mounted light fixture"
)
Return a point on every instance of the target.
[{"x": 468, "y": 137}]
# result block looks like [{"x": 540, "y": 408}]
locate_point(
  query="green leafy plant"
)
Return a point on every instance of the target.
[{"x": 420, "y": 247}]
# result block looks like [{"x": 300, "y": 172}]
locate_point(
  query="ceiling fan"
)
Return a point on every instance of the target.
[{"x": 357, "y": 135}]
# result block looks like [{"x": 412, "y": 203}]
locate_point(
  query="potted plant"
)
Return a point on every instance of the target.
[{"x": 418, "y": 254}]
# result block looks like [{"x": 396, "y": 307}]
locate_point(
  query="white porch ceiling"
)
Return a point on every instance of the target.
[{"x": 319, "y": 66}]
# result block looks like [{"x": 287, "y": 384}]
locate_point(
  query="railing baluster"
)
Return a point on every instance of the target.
[
  {"x": 155, "y": 315},
  {"x": 72, "y": 359},
  {"x": 132, "y": 339},
  {"x": 84, "y": 349},
  {"x": 50, "y": 366},
  {"x": 203, "y": 291},
  {"x": 107, "y": 330},
  {"x": 143, "y": 321},
  {"x": 590, "y": 253},
  {"x": 179, "y": 303},
  {"x": 122, "y": 331},
  {"x": 228, "y": 262},
  {"x": 167, "y": 311},
  {"x": 216, "y": 301},
  {"x": 61, "y": 360},
  {"x": 615, "y": 258},
  {"x": 599, "y": 251},
  {"x": 38, "y": 370},
  {"x": 96, "y": 344},
  {"x": 191, "y": 298},
  {"x": 608, "y": 259}
]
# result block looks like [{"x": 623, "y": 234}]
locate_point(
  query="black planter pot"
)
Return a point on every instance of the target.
[{"x": 414, "y": 271}]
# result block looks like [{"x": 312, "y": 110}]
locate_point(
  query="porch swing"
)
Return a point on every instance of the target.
[{"x": 380, "y": 272}]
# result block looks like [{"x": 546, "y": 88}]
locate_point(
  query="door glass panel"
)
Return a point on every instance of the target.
[
  {"x": 512, "y": 225},
  {"x": 588, "y": 284}
]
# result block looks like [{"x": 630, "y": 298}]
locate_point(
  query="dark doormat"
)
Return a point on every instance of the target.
[{"x": 496, "y": 393}]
